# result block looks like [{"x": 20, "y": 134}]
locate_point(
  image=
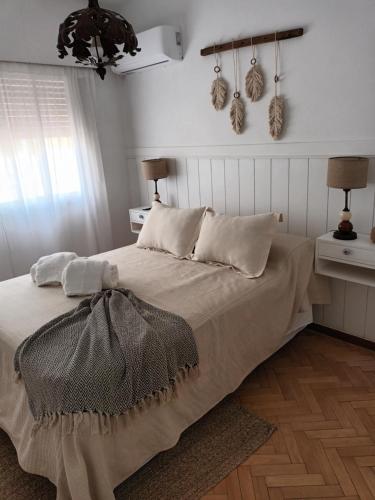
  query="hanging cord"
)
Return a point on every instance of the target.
[
  {"x": 277, "y": 62},
  {"x": 217, "y": 67},
  {"x": 219, "y": 87},
  {"x": 235, "y": 53},
  {"x": 253, "y": 59}
]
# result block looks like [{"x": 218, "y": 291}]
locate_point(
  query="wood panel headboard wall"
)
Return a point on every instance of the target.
[{"x": 294, "y": 186}]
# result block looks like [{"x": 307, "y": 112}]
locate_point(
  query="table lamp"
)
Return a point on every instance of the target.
[
  {"x": 153, "y": 170},
  {"x": 347, "y": 172}
]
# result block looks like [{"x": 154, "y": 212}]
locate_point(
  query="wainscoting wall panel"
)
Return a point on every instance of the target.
[{"x": 294, "y": 186}]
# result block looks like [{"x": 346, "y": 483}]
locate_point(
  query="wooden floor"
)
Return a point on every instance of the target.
[{"x": 320, "y": 392}]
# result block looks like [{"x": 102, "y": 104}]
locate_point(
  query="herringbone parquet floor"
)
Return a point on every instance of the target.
[{"x": 320, "y": 392}]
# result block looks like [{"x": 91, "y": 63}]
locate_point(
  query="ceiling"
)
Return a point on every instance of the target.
[{"x": 103, "y": 3}]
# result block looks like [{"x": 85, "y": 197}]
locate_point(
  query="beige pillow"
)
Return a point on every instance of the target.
[
  {"x": 240, "y": 242},
  {"x": 173, "y": 230}
]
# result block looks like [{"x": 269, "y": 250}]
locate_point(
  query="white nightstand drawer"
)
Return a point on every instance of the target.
[
  {"x": 137, "y": 216},
  {"x": 346, "y": 260},
  {"x": 346, "y": 253}
]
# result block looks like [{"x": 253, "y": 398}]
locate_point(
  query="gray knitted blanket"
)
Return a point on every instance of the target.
[{"x": 113, "y": 353}]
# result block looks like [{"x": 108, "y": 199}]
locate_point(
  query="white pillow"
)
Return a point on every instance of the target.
[
  {"x": 240, "y": 242},
  {"x": 173, "y": 230}
]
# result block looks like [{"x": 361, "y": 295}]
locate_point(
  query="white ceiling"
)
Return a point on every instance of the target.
[
  {"x": 81, "y": 4},
  {"x": 108, "y": 3}
]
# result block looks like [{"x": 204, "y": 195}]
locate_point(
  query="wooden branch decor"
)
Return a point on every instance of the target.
[{"x": 255, "y": 40}]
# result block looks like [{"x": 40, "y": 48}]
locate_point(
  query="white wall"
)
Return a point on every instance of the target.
[
  {"x": 328, "y": 79},
  {"x": 328, "y": 75},
  {"x": 28, "y": 33}
]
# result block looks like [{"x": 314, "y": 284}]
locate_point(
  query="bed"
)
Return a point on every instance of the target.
[{"x": 237, "y": 324}]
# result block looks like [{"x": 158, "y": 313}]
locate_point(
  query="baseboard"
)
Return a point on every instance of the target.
[{"x": 352, "y": 339}]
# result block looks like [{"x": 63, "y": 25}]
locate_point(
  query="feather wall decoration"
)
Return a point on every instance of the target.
[
  {"x": 237, "y": 110},
  {"x": 276, "y": 116},
  {"x": 254, "y": 83},
  {"x": 276, "y": 109},
  {"x": 219, "y": 91},
  {"x": 237, "y": 113},
  {"x": 219, "y": 87}
]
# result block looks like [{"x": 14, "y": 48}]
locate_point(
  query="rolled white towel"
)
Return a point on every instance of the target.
[
  {"x": 48, "y": 270},
  {"x": 83, "y": 276},
  {"x": 110, "y": 276}
]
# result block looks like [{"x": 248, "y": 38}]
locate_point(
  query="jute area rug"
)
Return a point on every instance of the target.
[{"x": 206, "y": 453}]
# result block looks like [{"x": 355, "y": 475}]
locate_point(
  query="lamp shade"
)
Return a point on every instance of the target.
[
  {"x": 347, "y": 172},
  {"x": 155, "y": 169}
]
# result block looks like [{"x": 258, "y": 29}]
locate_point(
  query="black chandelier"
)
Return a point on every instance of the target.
[{"x": 96, "y": 37}]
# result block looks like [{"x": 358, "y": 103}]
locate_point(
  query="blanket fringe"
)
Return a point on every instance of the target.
[{"x": 104, "y": 423}]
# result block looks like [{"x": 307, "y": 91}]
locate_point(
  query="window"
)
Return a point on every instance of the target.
[
  {"x": 38, "y": 157},
  {"x": 52, "y": 187}
]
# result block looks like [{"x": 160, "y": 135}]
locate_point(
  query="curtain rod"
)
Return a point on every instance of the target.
[
  {"x": 77, "y": 66},
  {"x": 255, "y": 40}
]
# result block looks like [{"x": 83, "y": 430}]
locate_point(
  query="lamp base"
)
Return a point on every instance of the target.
[
  {"x": 156, "y": 194},
  {"x": 345, "y": 229},
  {"x": 344, "y": 235}
]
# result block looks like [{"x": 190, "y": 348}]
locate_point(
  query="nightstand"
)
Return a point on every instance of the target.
[
  {"x": 347, "y": 260},
  {"x": 137, "y": 218}
]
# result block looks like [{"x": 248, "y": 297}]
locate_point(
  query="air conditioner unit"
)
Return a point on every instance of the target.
[{"x": 159, "y": 46}]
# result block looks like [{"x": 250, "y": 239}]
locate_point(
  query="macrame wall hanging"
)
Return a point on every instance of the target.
[
  {"x": 237, "y": 110},
  {"x": 254, "y": 82},
  {"x": 219, "y": 87},
  {"x": 276, "y": 109}
]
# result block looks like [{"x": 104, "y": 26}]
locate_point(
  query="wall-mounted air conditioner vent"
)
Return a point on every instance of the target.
[{"x": 160, "y": 45}]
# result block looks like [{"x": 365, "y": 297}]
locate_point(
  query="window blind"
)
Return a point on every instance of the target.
[
  {"x": 27, "y": 104},
  {"x": 37, "y": 138}
]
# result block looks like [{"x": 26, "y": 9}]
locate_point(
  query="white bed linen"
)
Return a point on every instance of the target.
[{"x": 237, "y": 324}]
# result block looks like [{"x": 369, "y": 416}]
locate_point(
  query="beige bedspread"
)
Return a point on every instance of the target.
[{"x": 237, "y": 324}]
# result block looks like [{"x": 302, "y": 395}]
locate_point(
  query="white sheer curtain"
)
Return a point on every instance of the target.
[{"x": 52, "y": 189}]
